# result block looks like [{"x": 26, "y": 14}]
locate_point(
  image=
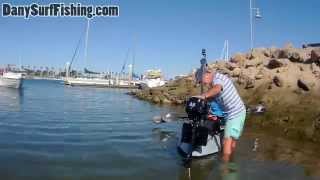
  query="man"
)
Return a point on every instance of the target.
[{"x": 226, "y": 95}]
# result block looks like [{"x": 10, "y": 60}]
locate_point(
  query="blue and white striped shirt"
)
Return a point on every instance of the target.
[{"x": 228, "y": 98}]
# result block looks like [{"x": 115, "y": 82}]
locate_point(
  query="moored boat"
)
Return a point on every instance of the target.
[{"x": 11, "y": 80}]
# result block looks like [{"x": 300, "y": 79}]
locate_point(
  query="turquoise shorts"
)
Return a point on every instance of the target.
[{"x": 234, "y": 126}]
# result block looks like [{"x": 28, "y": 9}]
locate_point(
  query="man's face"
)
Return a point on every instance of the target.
[{"x": 207, "y": 78}]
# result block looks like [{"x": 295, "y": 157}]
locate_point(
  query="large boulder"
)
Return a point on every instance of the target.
[
  {"x": 238, "y": 58},
  {"x": 298, "y": 55},
  {"x": 259, "y": 76},
  {"x": 315, "y": 55},
  {"x": 293, "y": 54},
  {"x": 156, "y": 99},
  {"x": 315, "y": 68},
  {"x": 303, "y": 85},
  {"x": 279, "y": 53},
  {"x": 236, "y": 72},
  {"x": 246, "y": 81},
  {"x": 275, "y": 63},
  {"x": 231, "y": 66},
  {"x": 258, "y": 53},
  {"x": 253, "y": 62}
]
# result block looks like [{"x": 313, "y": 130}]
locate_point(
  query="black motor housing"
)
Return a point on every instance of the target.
[
  {"x": 197, "y": 108},
  {"x": 198, "y": 136},
  {"x": 196, "y": 132}
]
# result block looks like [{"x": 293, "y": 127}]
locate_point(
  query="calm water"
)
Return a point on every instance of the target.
[{"x": 49, "y": 131}]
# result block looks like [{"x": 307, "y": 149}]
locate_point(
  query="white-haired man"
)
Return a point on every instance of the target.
[{"x": 227, "y": 96}]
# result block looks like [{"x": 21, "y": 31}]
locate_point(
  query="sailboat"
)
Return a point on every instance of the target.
[{"x": 95, "y": 78}]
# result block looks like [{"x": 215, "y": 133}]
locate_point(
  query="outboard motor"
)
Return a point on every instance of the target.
[{"x": 199, "y": 136}]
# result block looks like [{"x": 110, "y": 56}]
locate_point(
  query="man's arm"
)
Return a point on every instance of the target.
[{"x": 216, "y": 89}]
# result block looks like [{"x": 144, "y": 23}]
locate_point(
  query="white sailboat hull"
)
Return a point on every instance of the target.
[
  {"x": 88, "y": 82},
  {"x": 99, "y": 82}
]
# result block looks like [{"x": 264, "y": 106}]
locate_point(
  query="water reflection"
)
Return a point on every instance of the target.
[
  {"x": 163, "y": 136},
  {"x": 209, "y": 167},
  {"x": 10, "y": 99}
]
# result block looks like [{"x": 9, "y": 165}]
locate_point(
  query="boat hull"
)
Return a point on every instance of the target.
[
  {"x": 98, "y": 83},
  {"x": 10, "y": 83},
  {"x": 205, "y": 143},
  {"x": 213, "y": 146}
]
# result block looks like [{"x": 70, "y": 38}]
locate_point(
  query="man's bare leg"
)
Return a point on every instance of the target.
[
  {"x": 227, "y": 149},
  {"x": 233, "y": 145}
]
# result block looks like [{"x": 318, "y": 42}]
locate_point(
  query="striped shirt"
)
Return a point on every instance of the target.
[{"x": 228, "y": 98}]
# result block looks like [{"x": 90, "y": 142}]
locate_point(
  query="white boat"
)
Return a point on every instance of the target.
[
  {"x": 153, "y": 78},
  {"x": 151, "y": 83},
  {"x": 88, "y": 82},
  {"x": 11, "y": 80}
]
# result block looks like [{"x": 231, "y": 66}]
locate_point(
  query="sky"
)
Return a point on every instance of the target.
[{"x": 164, "y": 34}]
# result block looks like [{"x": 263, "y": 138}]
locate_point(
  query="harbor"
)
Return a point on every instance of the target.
[
  {"x": 152, "y": 90},
  {"x": 86, "y": 132}
]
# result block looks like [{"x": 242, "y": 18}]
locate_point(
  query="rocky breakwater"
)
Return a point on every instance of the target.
[{"x": 286, "y": 80}]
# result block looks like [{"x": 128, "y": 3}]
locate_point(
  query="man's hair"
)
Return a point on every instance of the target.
[{"x": 198, "y": 74}]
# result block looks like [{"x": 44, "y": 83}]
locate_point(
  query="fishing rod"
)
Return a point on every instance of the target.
[
  {"x": 203, "y": 67},
  {"x": 199, "y": 77}
]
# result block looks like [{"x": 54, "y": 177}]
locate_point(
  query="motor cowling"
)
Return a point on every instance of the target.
[{"x": 196, "y": 108}]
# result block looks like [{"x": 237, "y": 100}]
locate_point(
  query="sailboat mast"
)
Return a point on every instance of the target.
[
  {"x": 133, "y": 55},
  {"x": 86, "y": 44}
]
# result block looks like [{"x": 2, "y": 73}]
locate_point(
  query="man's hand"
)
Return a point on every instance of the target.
[{"x": 216, "y": 89}]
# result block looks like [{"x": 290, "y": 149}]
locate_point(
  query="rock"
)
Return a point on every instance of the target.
[
  {"x": 293, "y": 54},
  {"x": 249, "y": 64},
  {"x": 238, "y": 58},
  {"x": 259, "y": 76},
  {"x": 155, "y": 99},
  {"x": 165, "y": 101},
  {"x": 236, "y": 72},
  {"x": 249, "y": 84},
  {"x": 258, "y": 53},
  {"x": 302, "y": 85},
  {"x": 178, "y": 101},
  {"x": 316, "y": 123},
  {"x": 279, "y": 53},
  {"x": 298, "y": 55},
  {"x": 278, "y": 81},
  {"x": 315, "y": 69},
  {"x": 247, "y": 81},
  {"x": 231, "y": 66},
  {"x": 274, "y": 63},
  {"x": 315, "y": 55},
  {"x": 301, "y": 68},
  {"x": 253, "y": 63}
]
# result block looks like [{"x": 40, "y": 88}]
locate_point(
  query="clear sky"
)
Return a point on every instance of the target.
[{"x": 166, "y": 34}]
